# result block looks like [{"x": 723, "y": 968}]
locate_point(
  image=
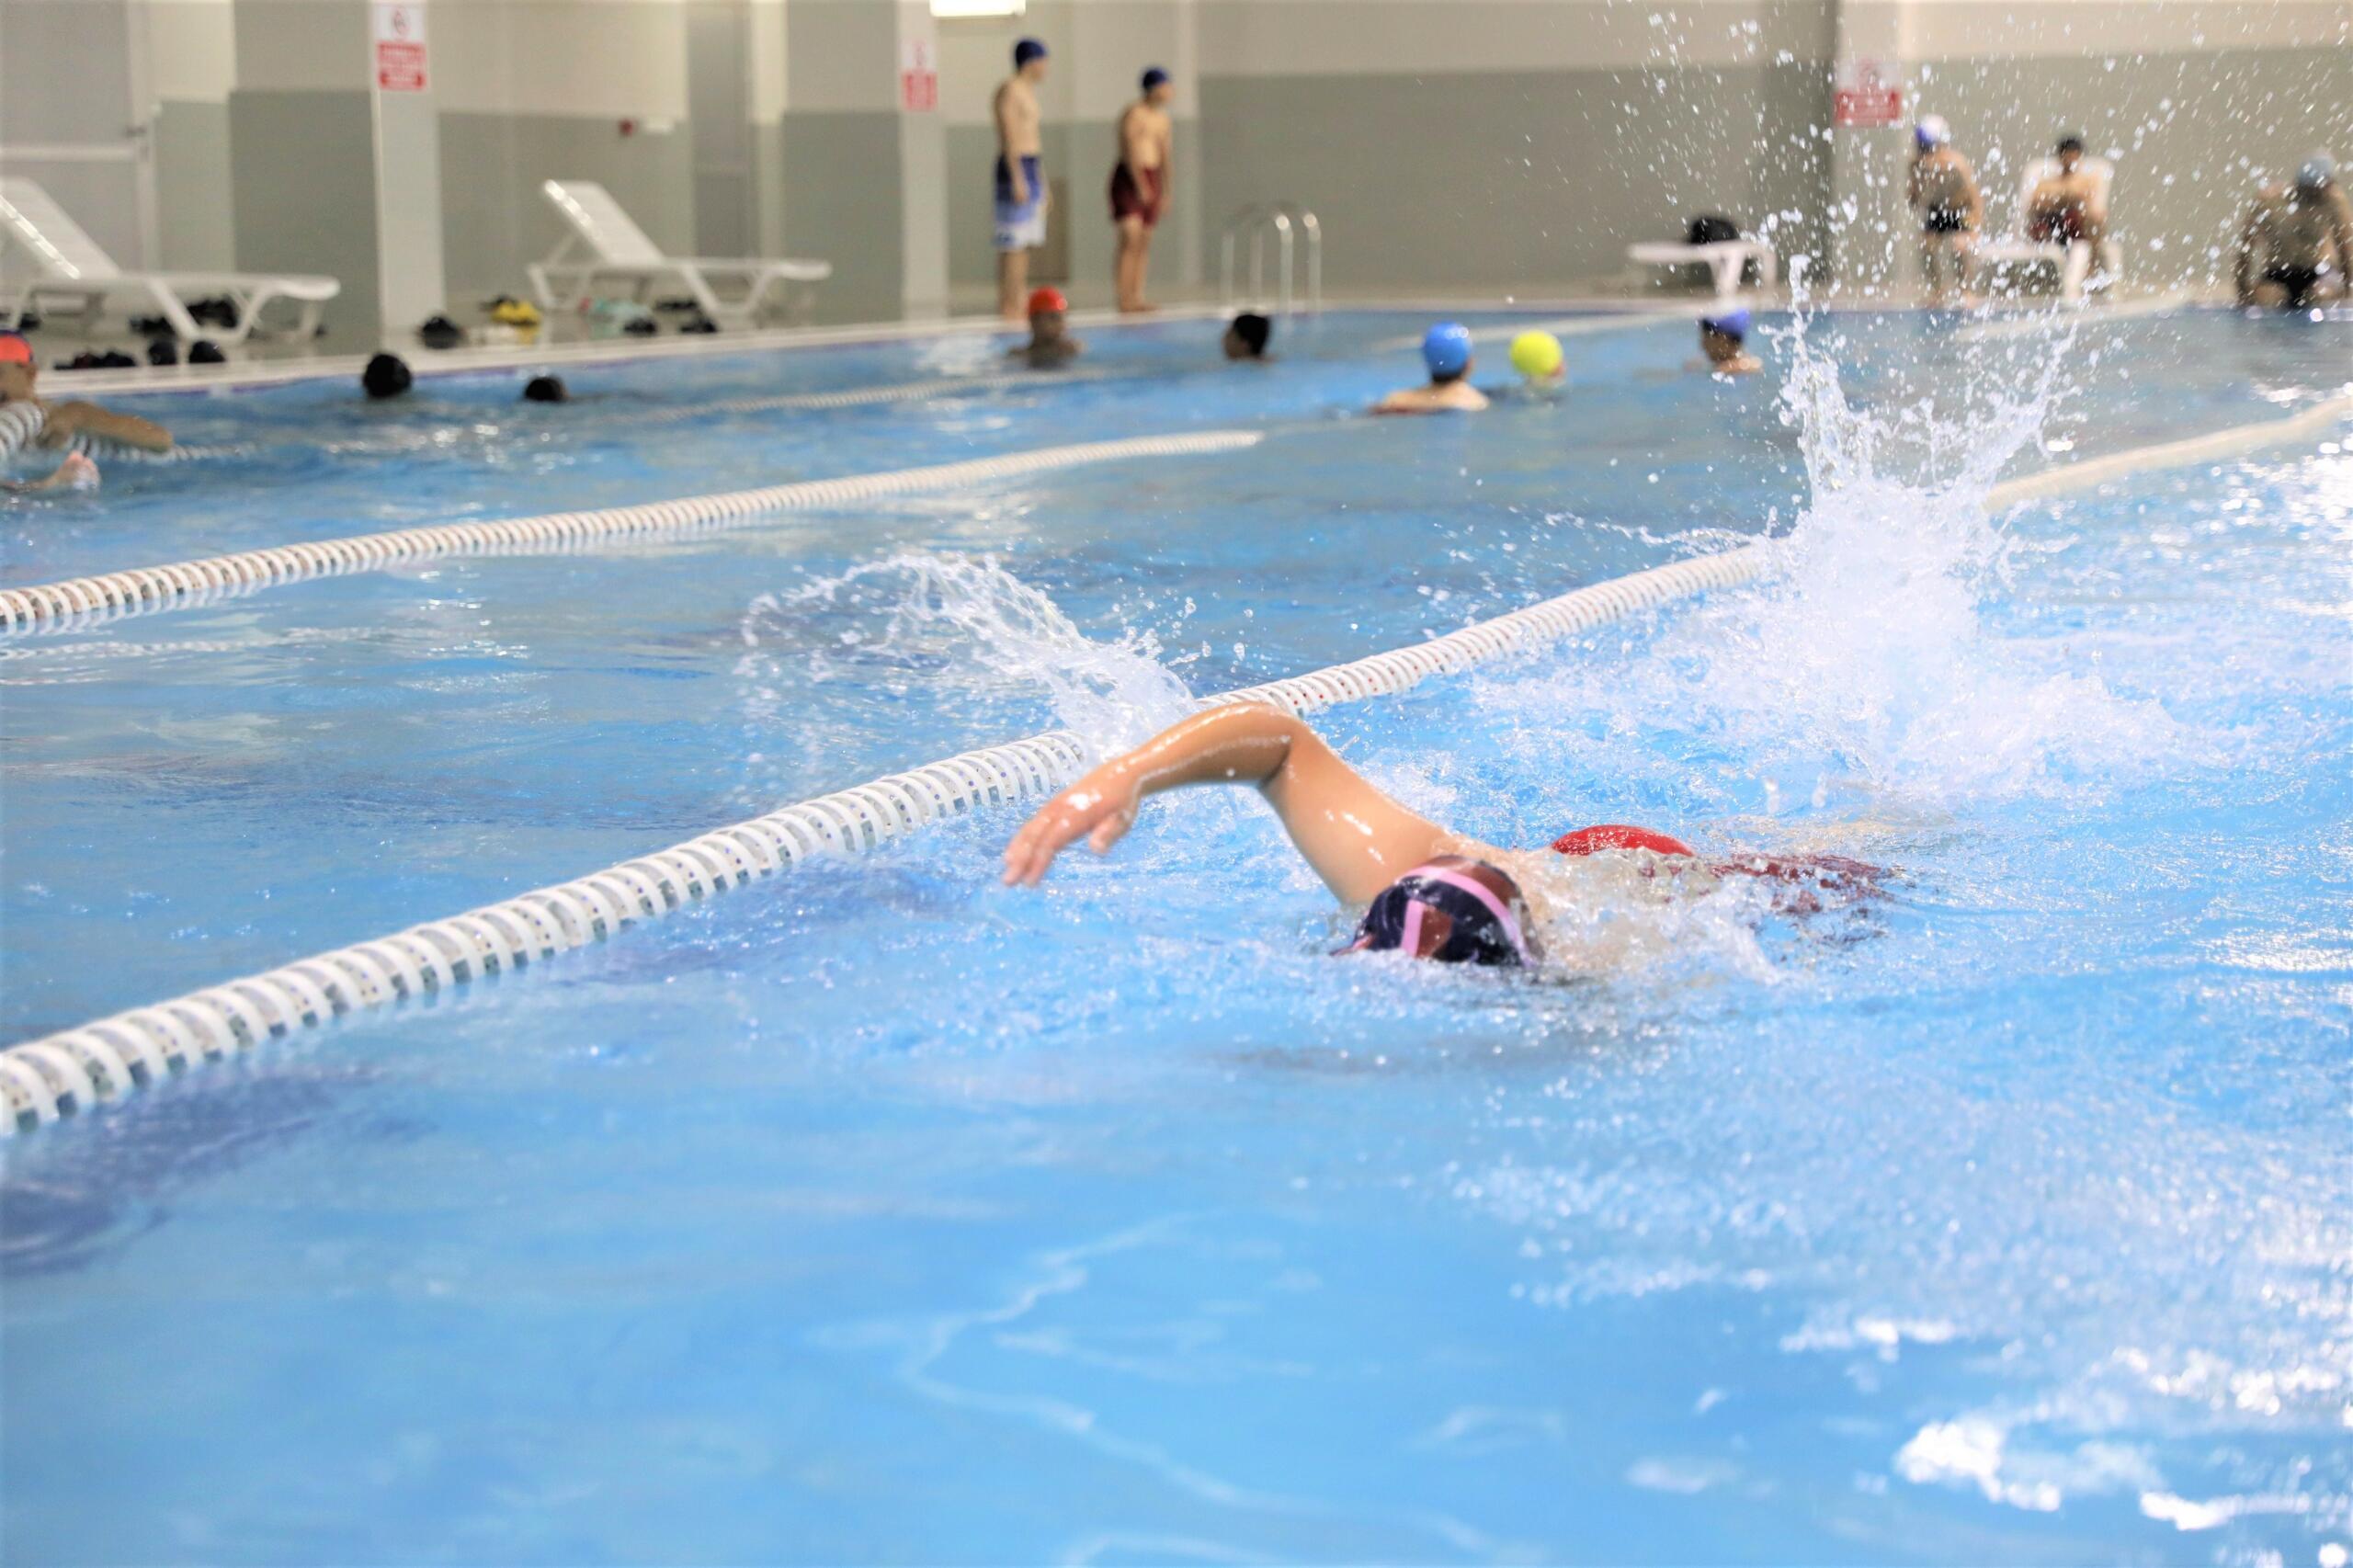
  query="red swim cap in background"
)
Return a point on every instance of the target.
[
  {"x": 1047, "y": 299},
  {"x": 1618, "y": 835},
  {"x": 14, "y": 349}
]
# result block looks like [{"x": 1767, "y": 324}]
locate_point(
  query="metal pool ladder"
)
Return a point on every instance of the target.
[{"x": 1286, "y": 221}]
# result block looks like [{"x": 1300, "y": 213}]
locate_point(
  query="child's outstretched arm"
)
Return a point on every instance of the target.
[{"x": 1358, "y": 840}]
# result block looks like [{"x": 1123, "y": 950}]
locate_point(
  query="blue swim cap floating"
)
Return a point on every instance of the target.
[
  {"x": 1732, "y": 324},
  {"x": 1028, "y": 49},
  {"x": 1446, "y": 348}
]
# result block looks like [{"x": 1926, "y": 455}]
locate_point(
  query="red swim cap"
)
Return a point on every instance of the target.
[
  {"x": 1618, "y": 835},
  {"x": 1047, "y": 299},
  {"x": 14, "y": 349}
]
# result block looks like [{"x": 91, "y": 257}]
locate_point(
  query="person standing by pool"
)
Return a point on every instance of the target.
[
  {"x": 1943, "y": 191},
  {"x": 1431, "y": 892},
  {"x": 1446, "y": 349},
  {"x": 1020, "y": 178},
  {"x": 2295, "y": 251},
  {"x": 1140, "y": 186}
]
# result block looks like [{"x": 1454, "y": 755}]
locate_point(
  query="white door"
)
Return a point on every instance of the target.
[{"x": 76, "y": 113}]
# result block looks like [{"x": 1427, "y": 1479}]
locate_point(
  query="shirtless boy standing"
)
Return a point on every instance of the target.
[
  {"x": 1020, "y": 182},
  {"x": 1140, "y": 186}
]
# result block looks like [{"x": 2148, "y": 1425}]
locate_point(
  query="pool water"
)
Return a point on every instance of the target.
[{"x": 880, "y": 1213}]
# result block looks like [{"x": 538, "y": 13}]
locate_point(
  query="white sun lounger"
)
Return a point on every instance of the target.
[
  {"x": 2072, "y": 257},
  {"x": 1723, "y": 258},
  {"x": 606, "y": 247},
  {"x": 69, "y": 266}
]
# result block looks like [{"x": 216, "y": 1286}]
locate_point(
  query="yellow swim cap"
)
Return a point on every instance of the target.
[{"x": 1536, "y": 355}]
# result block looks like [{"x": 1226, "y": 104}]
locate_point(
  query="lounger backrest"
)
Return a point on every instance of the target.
[
  {"x": 57, "y": 243},
  {"x": 599, "y": 221},
  {"x": 2100, "y": 169}
]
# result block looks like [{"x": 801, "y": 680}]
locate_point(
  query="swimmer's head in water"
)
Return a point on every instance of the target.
[
  {"x": 1247, "y": 337},
  {"x": 1725, "y": 323},
  {"x": 1155, "y": 80},
  {"x": 1048, "y": 306},
  {"x": 17, "y": 368},
  {"x": 1452, "y": 910},
  {"x": 1028, "y": 49},
  {"x": 2319, "y": 172},
  {"x": 546, "y": 389},
  {"x": 1446, "y": 349},
  {"x": 1537, "y": 355},
  {"x": 387, "y": 375},
  {"x": 1931, "y": 133}
]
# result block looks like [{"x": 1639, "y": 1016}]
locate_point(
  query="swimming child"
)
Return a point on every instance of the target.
[
  {"x": 76, "y": 427},
  {"x": 1248, "y": 336},
  {"x": 1051, "y": 344},
  {"x": 76, "y": 473},
  {"x": 1536, "y": 355},
  {"x": 1429, "y": 890},
  {"x": 1720, "y": 339},
  {"x": 1446, "y": 349}
]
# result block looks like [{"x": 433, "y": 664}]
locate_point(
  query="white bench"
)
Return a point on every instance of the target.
[
  {"x": 1724, "y": 259},
  {"x": 606, "y": 247}
]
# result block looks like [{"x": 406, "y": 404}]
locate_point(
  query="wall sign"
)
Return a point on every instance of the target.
[
  {"x": 1870, "y": 93},
  {"x": 400, "y": 46},
  {"x": 919, "y": 76}
]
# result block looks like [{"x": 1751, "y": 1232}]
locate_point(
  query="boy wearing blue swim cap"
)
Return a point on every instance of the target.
[
  {"x": 1446, "y": 349},
  {"x": 1020, "y": 178},
  {"x": 1722, "y": 337}
]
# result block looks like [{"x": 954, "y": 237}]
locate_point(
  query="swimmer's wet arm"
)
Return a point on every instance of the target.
[
  {"x": 67, "y": 420},
  {"x": 1358, "y": 840}
]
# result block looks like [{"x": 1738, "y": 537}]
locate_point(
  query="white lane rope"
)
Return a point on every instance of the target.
[
  {"x": 867, "y": 397},
  {"x": 143, "y": 590},
  {"x": 78, "y": 1068}
]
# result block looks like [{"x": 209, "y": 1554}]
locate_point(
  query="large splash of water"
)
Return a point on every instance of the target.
[{"x": 1872, "y": 653}]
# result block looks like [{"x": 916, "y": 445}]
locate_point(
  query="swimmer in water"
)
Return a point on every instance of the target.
[
  {"x": 1429, "y": 890},
  {"x": 39, "y": 425},
  {"x": 1536, "y": 357},
  {"x": 1722, "y": 337},
  {"x": 1248, "y": 336},
  {"x": 1446, "y": 349},
  {"x": 1050, "y": 345}
]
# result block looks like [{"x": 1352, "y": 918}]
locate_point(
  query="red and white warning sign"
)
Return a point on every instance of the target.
[
  {"x": 919, "y": 76},
  {"x": 400, "y": 46},
  {"x": 1869, "y": 91}
]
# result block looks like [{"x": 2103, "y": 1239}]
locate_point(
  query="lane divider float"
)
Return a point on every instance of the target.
[
  {"x": 78, "y": 1069},
  {"x": 144, "y": 590}
]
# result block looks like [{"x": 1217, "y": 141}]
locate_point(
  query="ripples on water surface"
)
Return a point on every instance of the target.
[{"x": 882, "y": 1213}]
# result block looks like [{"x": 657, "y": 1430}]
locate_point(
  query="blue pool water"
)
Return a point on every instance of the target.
[{"x": 878, "y": 1213}]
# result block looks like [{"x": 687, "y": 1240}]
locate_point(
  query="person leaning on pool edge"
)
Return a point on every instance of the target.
[{"x": 1430, "y": 892}]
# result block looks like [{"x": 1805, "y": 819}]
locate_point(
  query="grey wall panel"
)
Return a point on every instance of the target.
[
  {"x": 193, "y": 211},
  {"x": 496, "y": 222},
  {"x": 1497, "y": 178},
  {"x": 2183, "y": 127},
  {"x": 302, "y": 181},
  {"x": 841, "y": 183},
  {"x": 64, "y": 72}
]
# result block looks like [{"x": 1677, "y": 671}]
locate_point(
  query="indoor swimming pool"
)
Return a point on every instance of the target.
[{"x": 877, "y": 1212}]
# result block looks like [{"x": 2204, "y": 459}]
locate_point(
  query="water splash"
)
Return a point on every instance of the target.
[
  {"x": 962, "y": 628},
  {"x": 1868, "y": 653}
]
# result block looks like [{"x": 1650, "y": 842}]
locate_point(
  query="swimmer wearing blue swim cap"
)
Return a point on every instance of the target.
[
  {"x": 1720, "y": 339},
  {"x": 1446, "y": 349},
  {"x": 1943, "y": 192},
  {"x": 1018, "y": 182}
]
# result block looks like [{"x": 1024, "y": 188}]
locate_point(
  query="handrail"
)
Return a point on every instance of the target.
[{"x": 1286, "y": 221}]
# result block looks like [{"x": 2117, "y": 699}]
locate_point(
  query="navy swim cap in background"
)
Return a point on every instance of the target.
[
  {"x": 1153, "y": 77},
  {"x": 1028, "y": 49},
  {"x": 1732, "y": 324}
]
